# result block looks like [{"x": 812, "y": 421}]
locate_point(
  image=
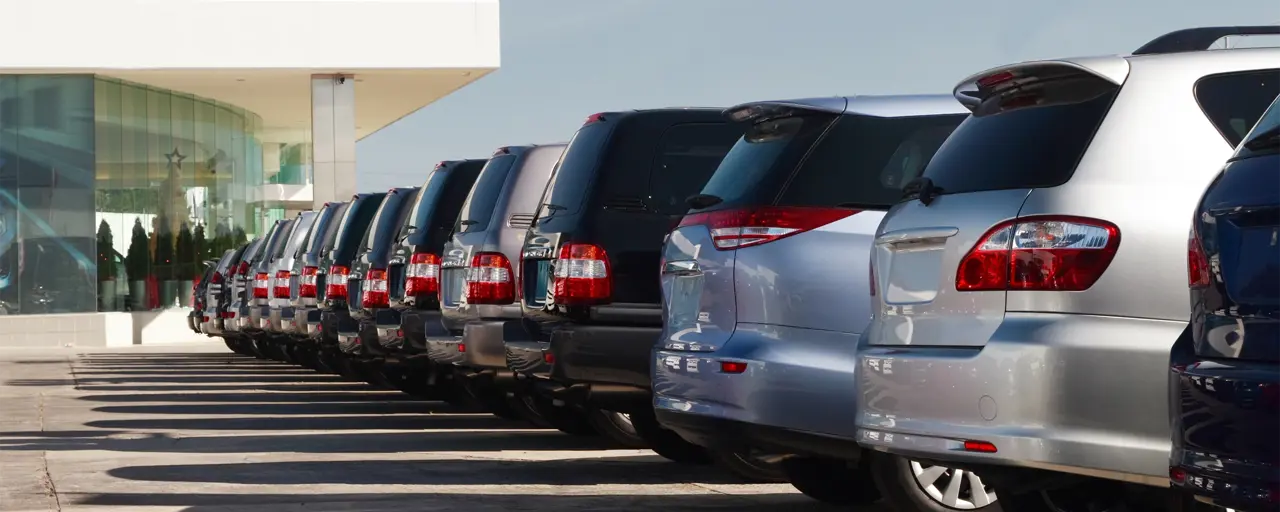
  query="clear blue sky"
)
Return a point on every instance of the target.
[{"x": 563, "y": 60}]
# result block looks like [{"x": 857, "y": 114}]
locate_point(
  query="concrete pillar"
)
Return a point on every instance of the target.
[{"x": 333, "y": 138}]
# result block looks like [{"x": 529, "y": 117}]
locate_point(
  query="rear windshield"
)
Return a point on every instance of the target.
[
  {"x": 322, "y": 232},
  {"x": 386, "y": 222},
  {"x": 478, "y": 209},
  {"x": 356, "y": 219},
  {"x": 566, "y": 189},
  {"x": 1234, "y": 102},
  {"x": 1265, "y": 137},
  {"x": 440, "y": 200},
  {"x": 1027, "y": 138},
  {"x": 282, "y": 239},
  {"x": 860, "y": 162}
]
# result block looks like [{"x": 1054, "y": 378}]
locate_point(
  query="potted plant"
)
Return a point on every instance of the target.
[
  {"x": 184, "y": 265},
  {"x": 163, "y": 265},
  {"x": 138, "y": 264},
  {"x": 106, "y": 264}
]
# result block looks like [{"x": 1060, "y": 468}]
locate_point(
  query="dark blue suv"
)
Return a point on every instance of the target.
[{"x": 1225, "y": 384}]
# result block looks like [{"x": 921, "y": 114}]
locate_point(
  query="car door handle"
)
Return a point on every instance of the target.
[{"x": 681, "y": 267}]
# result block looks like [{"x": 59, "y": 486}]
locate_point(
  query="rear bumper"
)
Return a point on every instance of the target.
[
  {"x": 279, "y": 319},
  {"x": 796, "y": 380},
  {"x": 728, "y": 434},
  {"x": 1074, "y": 393},
  {"x": 382, "y": 328},
  {"x": 341, "y": 328},
  {"x": 1226, "y": 431},
  {"x": 604, "y": 362},
  {"x": 527, "y": 358},
  {"x": 485, "y": 342}
]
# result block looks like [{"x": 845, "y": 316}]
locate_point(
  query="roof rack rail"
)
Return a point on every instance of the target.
[{"x": 1201, "y": 38}]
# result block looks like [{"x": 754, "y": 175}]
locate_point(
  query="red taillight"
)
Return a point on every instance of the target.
[
  {"x": 243, "y": 268},
  {"x": 336, "y": 283},
  {"x": 307, "y": 282},
  {"x": 282, "y": 284},
  {"x": 1040, "y": 253},
  {"x": 1197, "y": 262},
  {"x": 374, "y": 294},
  {"x": 216, "y": 279},
  {"x": 733, "y": 229},
  {"x": 979, "y": 446},
  {"x": 582, "y": 275},
  {"x": 422, "y": 277},
  {"x": 732, "y": 367},
  {"x": 549, "y": 357},
  {"x": 489, "y": 280},
  {"x": 1177, "y": 474},
  {"x": 261, "y": 283},
  {"x": 594, "y": 118}
]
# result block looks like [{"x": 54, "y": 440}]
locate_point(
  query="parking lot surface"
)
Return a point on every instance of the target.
[{"x": 197, "y": 428}]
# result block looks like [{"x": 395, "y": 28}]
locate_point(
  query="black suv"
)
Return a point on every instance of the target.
[
  {"x": 334, "y": 315},
  {"x": 370, "y": 288},
  {"x": 590, "y": 294}
]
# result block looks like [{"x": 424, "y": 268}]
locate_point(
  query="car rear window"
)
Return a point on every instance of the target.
[
  {"x": 386, "y": 222},
  {"x": 443, "y": 194},
  {"x": 1265, "y": 136},
  {"x": 687, "y": 157},
  {"x": 356, "y": 218},
  {"x": 330, "y": 234},
  {"x": 566, "y": 189},
  {"x": 1029, "y": 137},
  {"x": 477, "y": 211},
  {"x": 1234, "y": 102},
  {"x": 828, "y": 160},
  {"x": 282, "y": 239}
]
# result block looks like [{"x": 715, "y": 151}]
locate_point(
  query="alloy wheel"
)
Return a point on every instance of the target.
[{"x": 952, "y": 488}]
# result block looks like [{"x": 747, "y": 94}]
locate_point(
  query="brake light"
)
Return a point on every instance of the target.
[
  {"x": 261, "y": 282},
  {"x": 489, "y": 279},
  {"x": 594, "y": 118},
  {"x": 995, "y": 79},
  {"x": 307, "y": 282},
  {"x": 375, "y": 289},
  {"x": 336, "y": 284},
  {"x": 422, "y": 277},
  {"x": 732, "y": 367},
  {"x": 1047, "y": 253},
  {"x": 242, "y": 269},
  {"x": 1197, "y": 262},
  {"x": 582, "y": 275},
  {"x": 282, "y": 284},
  {"x": 216, "y": 278},
  {"x": 979, "y": 446},
  {"x": 737, "y": 228}
]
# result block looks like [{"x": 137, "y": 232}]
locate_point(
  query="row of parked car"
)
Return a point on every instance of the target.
[{"x": 948, "y": 302}]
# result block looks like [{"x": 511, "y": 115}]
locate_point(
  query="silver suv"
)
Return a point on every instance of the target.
[{"x": 1028, "y": 289}]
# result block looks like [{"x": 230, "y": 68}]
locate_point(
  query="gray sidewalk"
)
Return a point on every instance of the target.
[{"x": 195, "y": 428}]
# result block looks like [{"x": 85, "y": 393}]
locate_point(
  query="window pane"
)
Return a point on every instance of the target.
[
  {"x": 1234, "y": 102},
  {"x": 687, "y": 157}
]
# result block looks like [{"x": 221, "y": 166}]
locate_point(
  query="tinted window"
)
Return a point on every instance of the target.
[
  {"x": 443, "y": 194},
  {"x": 566, "y": 189},
  {"x": 862, "y": 161},
  {"x": 282, "y": 239},
  {"x": 354, "y": 223},
  {"x": 1265, "y": 137},
  {"x": 1027, "y": 138},
  {"x": 478, "y": 208},
  {"x": 687, "y": 156},
  {"x": 386, "y": 222},
  {"x": 1235, "y": 101}
]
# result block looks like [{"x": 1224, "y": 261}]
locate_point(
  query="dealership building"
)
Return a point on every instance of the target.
[{"x": 138, "y": 137}]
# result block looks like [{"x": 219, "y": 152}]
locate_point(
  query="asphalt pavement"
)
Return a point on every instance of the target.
[{"x": 197, "y": 428}]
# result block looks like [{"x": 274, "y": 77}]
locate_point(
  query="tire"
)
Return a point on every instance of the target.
[
  {"x": 617, "y": 427},
  {"x": 667, "y": 443},
  {"x": 832, "y": 481},
  {"x": 574, "y": 421},
  {"x": 232, "y": 345},
  {"x": 746, "y": 466},
  {"x": 896, "y": 477}
]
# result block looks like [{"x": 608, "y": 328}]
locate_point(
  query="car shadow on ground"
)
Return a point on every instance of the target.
[{"x": 387, "y": 502}]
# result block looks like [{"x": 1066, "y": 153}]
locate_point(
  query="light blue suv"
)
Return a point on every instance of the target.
[{"x": 765, "y": 284}]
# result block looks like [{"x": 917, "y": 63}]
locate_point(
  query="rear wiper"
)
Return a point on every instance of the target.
[
  {"x": 921, "y": 188},
  {"x": 468, "y": 222},
  {"x": 553, "y": 207},
  {"x": 1269, "y": 139},
  {"x": 700, "y": 201}
]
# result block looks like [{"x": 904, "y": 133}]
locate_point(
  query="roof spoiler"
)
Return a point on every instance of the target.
[
  {"x": 758, "y": 110},
  {"x": 1200, "y": 39}
]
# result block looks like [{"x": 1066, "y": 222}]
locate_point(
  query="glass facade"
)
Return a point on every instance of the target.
[{"x": 112, "y": 193}]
